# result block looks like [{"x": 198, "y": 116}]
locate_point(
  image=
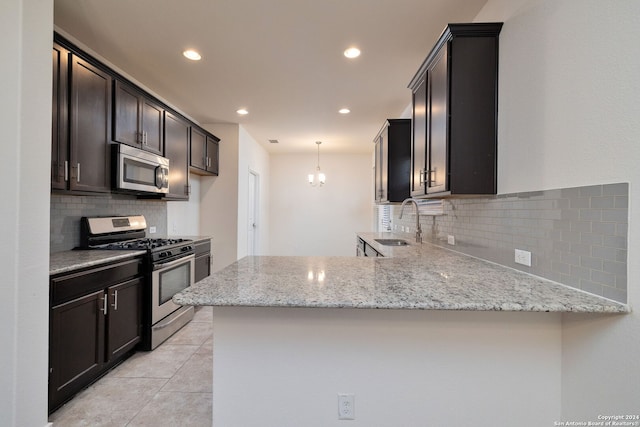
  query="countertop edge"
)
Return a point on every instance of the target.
[{"x": 599, "y": 309}]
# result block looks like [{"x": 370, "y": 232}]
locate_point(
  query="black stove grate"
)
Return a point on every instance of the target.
[{"x": 143, "y": 244}]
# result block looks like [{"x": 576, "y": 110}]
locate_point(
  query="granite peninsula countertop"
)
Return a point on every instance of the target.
[
  {"x": 76, "y": 259},
  {"x": 438, "y": 279}
]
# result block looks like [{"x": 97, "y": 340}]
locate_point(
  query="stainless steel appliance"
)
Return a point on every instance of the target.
[
  {"x": 140, "y": 172},
  {"x": 169, "y": 265}
]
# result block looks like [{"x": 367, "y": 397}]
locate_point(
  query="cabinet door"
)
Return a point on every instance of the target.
[
  {"x": 198, "y": 149},
  {"x": 59, "y": 122},
  {"x": 151, "y": 126},
  {"x": 125, "y": 117},
  {"x": 90, "y": 118},
  {"x": 176, "y": 138},
  {"x": 124, "y": 326},
  {"x": 76, "y": 346},
  {"x": 213, "y": 147},
  {"x": 437, "y": 154},
  {"x": 377, "y": 196},
  {"x": 384, "y": 164},
  {"x": 202, "y": 267},
  {"x": 419, "y": 140}
]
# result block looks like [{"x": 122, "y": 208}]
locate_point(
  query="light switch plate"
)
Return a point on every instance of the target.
[{"x": 152, "y": 230}]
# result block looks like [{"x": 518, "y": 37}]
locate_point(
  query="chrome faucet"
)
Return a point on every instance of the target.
[{"x": 418, "y": 229}]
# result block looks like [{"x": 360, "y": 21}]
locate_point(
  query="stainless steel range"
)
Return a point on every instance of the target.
[{"x": 169, "y": 265}]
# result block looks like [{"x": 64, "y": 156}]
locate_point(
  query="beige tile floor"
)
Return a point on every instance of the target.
[{"x": 170, "y": 386}]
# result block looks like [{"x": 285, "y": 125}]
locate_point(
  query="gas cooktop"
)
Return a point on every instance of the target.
[{"x": 142, "y": 244}]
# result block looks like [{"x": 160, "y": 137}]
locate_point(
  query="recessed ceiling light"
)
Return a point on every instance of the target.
[
  {"x": 352, "y": 52},
  {"x": 344, "y": 111},
  {"x": 242, "y": 111},
  {"x": 192, "y": 55}
]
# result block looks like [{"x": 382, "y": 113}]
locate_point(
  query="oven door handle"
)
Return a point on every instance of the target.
[{"x": 170, "y": 264}]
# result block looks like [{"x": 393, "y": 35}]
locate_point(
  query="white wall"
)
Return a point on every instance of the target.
[
  {"x": 219, "y": 199},
  {"x": 252, "y": 157},
  {"x": 322, "y": 220},
  {"x": 285, "y": 367},
  {"x": 25, "y": 120},
  {"x": 569, "y": 116},
  {"x": 223, "y": 199}
]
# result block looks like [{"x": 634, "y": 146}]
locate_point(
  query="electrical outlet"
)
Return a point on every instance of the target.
[
  {"x": 346, "y": 406},
  {"x": 451, "y": 239},
  {"x": 152, "y": 230},
  {"x": 523, "y": 257}
]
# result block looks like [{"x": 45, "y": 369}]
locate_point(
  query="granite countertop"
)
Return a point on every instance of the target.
[
  {"x": 438, "y": 279},
  {"x": 66, "y": 261}
]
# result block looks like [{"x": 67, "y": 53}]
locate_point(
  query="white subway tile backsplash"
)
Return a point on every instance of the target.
[
  {"x": 66, "y": 211},
  {"x": 577, "y": 236}
]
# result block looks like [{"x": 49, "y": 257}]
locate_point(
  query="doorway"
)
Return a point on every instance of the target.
[{"x": 253, "y": 213}]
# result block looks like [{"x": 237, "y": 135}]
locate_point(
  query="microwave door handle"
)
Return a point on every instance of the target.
[
  {"x": 165, "y": 177},
  {"x": 159, "y": 176}
]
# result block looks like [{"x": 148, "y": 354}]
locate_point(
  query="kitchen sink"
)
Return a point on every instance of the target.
[{"x": 392, "y": 242}]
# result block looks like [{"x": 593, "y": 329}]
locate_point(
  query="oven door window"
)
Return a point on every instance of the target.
[
  {"x": 138, "y": 172},
  {"x": 174, "y": 280}
]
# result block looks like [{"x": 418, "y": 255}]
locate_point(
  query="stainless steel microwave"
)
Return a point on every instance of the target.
[{"x": 137, "y": 171}]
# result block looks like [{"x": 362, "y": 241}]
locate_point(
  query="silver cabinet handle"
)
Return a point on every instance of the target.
[
  {"x": 428, "y": 179},
  {"x": 115, "y": 300},
  {"x": 66, "y": 170},
  {"x": 78, "y": 173},
  {"x": 105, "y": 305}
]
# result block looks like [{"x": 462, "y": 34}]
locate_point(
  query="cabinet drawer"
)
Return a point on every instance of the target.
[
  {"x": 202, "y": 247},
  {"x": 70, "y": 286}
]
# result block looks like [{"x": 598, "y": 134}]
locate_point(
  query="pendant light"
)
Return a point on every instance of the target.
[{"x": 317, "y": 178}]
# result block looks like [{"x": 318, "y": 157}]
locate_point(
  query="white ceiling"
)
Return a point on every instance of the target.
[{"x": 280, "y": 59}]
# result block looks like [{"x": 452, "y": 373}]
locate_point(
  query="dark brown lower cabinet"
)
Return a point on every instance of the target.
[
  {"x": 125, "y": 311},
  {"x": 203, "y": 260},
  {"x": 76, "y": 346},
  {"x": 95, "y": 321}
]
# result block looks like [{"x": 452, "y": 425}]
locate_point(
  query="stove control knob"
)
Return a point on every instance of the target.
[
  {"x": 186, "y": 248},
  {"x": 164, "y": 254}
]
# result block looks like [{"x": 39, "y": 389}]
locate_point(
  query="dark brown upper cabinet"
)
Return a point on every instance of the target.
[
  {"x": 94, "y": 106},
  {"x": 203, "y": 157},
  {"x": 90, "y": 124},
  {"x": 455, "y": 106},
  {"x": 137, "y": 120},
  {"x": 80, "y": 124},
  {"x": 60, "y": 120},
  {"x": 393, "y": 161},
  {"x": 176, "y": 136}
]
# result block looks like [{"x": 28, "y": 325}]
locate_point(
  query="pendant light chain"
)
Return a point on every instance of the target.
[{"x": 317, "y": 179}]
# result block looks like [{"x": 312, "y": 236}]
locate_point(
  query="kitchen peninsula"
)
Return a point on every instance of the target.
[{"x": 425, "y": 337}]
